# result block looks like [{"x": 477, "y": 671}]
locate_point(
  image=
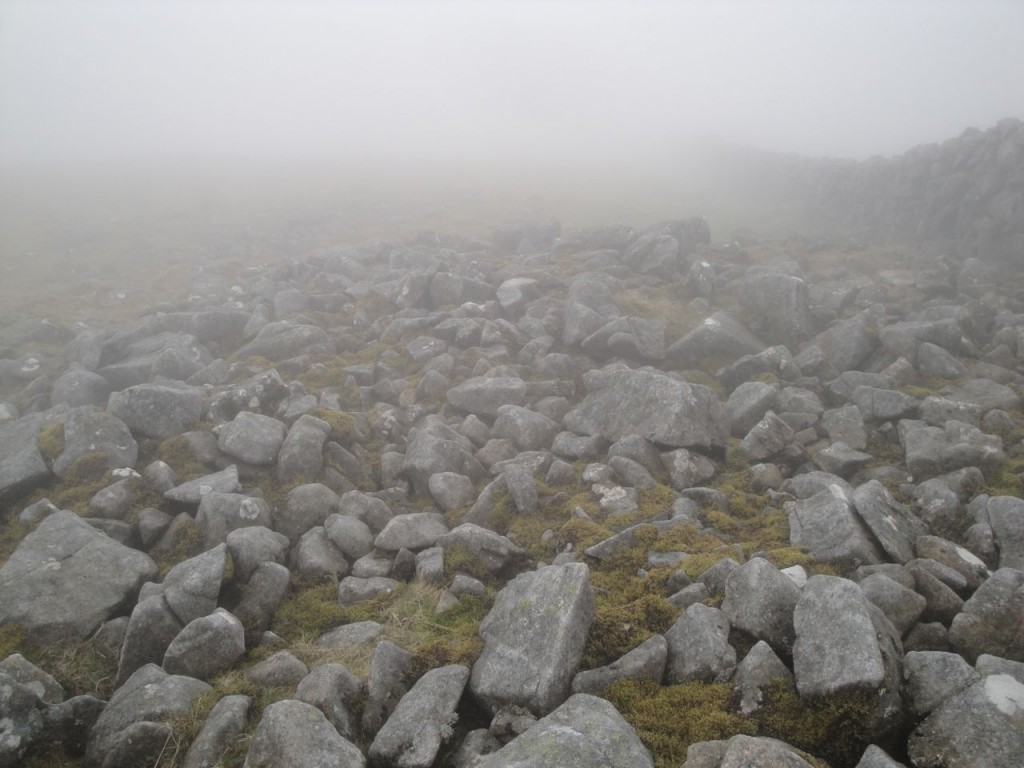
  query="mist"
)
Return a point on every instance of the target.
[{"x": 191, "y": 118}]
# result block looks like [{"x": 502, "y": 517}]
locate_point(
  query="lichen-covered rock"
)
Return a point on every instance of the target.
[
  {"x": 828, "y": 526},
  {"x": 584, "y": 732},
  {"x": 88, "y": 430},
  {"x": 223, "y": 725},
  {"x": 698, "y": 647},
  {"x": 66, "y": 578},
  {"x": 992, "y": 621},
  {"x": 534, "y": 638},
  {"x": 760, "y": 600},
  {"x": 294, "y": 733},
  {"x": 157, "y": 410},
  {"x": 484, "y": 395},
  {"x": 252, "y": 438},
  {"x": 206, "y": 646}
]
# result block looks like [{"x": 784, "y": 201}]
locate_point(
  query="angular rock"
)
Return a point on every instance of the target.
[
  {"x": 930, "y": 451},
  {"x": 413, "y": 531},
  {"x": 223, "y": 725},
  {"x": 760, "y": 668},
  {"x": 305, "y": 507},
  {"x": 333, "y": 690},
  {"x": 494, "y": 551},
  {"x": 66, "y": 578},
  {"x": 760, "y": 600},
  {"x": 422, "y": 721},
  {"x": 893, "y": 526},
  {"x": 483, "y": 396},
  {"x": 294, "y": 733},
  {"x": 206, "y": 646},
  {"x": 21, "y": 464},
  {"x": 827, "y": 525},
  {"x": 301, "y": 454},
  {"x": 435, "y": 447},
  {"x": 385, "y": 684},
  {"x": 21, "y": 724},
  {"x": 720, "y": 335},
  {"x": 251, "y": 546},
  {"x": 252, "y": 438},
  {"x": 992, "y": 621},
  {"x": 934, "y": 676},
  {"x": 220, "y": 513},
  {"x": 698, "y": 647},
  {"x": 192, "y": 492},
  {"x": 533, "y": 639},
  {"x": 766, "y": 438},
  {"x": 157, "y": 410},
  {"x": 1006, "y": 517},
  {"x": 645, "y": 662},
  {"x": 88, "y": 430},
  {"x": 666, "y": 411}
]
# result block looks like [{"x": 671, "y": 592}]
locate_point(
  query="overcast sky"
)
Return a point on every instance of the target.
[{"x": 513, "y": 80}]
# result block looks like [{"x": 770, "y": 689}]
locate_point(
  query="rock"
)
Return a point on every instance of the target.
[
  {"x": 483, "y": 396},
  {"x": 645, "y": 662},
  {"x": 221, "y": 513},
  {"x": 151, "y": 628},
  {"x": 150, "y": 695},
  {"x": 588, "y": 307},
  {"x": 529, "y": 430},
  {"x": 748, "y": 404},
  {"x": 451, "y": 490},
  {"x": 760, "y": 667},
  {"x": 77, "y": 387},
  {"x": 533, "y": 639},
  {"x": 317, "y": 559},
  {"x": 698, "y": 647},
  {"x": 933, "y": 360},
  {"x": 192, "y": 492},
  {"x": 720, "y": 335},
  {"x": 494, "y": 551},
  {"x": 894, "y": 528},
  {"x": 766, "y": 438},
  {"x": 206, "y": 646},
  {"x": 835, "y": 648},
  {"x": 664, "y": 410},
  {"x": 934, "y": 676},
  {"x": 305, "y": 507},
  {"x": 875, "y": 757},
  {"x": 385, "y": 684},
  {"x": 902, "y": 606},
  {"x": 251, "y": 546},
  {"x": 760, "y": 600},
  {"x": 686, "y": 469},
  {"x": 225, "y": 723},
  {"x": 91, "y": 431},
  {"x": 21, "y": 724},
  {"x": 21, "y": 464},
  {"x": 840, "y": 459},
  {"x": 354, "y": 589},
  {"x": 932, "y": 450},
  {"x": 353, "y": 634},
  {"x": 278, "y": 670},
  {"x": 333, "y": 690},
  {"x": 1006, "y": 517},
  {"x": 261, "y": 596},
  {"x": 301, "y": 453},
  {"x": 192, "y": 587},
  {"x": 846, "y": 425},
  {"x": 992, "y": 620},
  {"x": 778, "y": 300},
  {"x": 28, "y": 675},
  {"x": 961, "y": 560},
  {"x": 252, "y": 438},
  {"x": 284, "y": 339},
  {"x": 980, "y": 726},
  {"x": 422, "y": 721},
  {"x": 294, "y": 733},
  {"x": 157, "y": 410},
  {"x": 350, "y": 535},
  {"x": 878, "y": 405},
  {"x": 828, "y": 527},
  {"x": 66, "y": 578},
  {"x": 435, "y": 447},
  {"x": 583, "y": 731},
  {"x": 414, "y": 531}
]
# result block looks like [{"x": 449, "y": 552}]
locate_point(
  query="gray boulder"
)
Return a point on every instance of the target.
[
  {"x": 157, "y": 410},
  {"x": 930, "y": 451},
  {"x": 435, "y": 447},
  {"x": 720, "y": 335},
  {"x": 302, "y": 452},
  {"x": 664, "y": 410},
  {"x": 252, "y": 438},
  {"x": 901, "y": 605},
  {"x": 748, "y": 404},
  {"x": 350, "y": 535},
  {"x": 192, "y": 491},
  {"x": 846, "y": 424},
  {"x": 588, "y": 307},
  {"x": 206, "y": 646},
  {"x": 422, "y": 721},
  {"x": 451, "y": 490},
  {"x": 21, "y": 464},
  {"x": 223, "y": 725},
  {"x": 494, "y": 551},
  {"x": 66, "y": 578},
  {"x": 251, "y": 546},
  {"x": 150, "y": 695},
  {"x": 779, "y": 302},
  {"x": 760, "y": 668},
  {"x": 192, "y": 587},
  {"x": 413, "y": 531},
  {"x": 877, "y": 404},
  {"x": 934, "y": 676},
  {"x": 534, "y": 638},
  {"x": 333, "y": 690},
  {"x": 892, "y": 525},
  {"x": 585, "y": 731},
  {"x": 698, "y": 647},
  {"x": 759, "y": 599},
  {"x": 645, "y": 662},
  {"x": 766, "y": 438},
  {"x": 305, "y": 507},
  {"x": 529, "y": 430},
  {"x": 294, "y": 733},
  {"x": 89, "y": 430},
  {"x": 483, "y": 395},
  {"x": 992, "y": 620},
  {"x": 21, "y": 723},
  {"x": 354, "y": 589},
  {"x": 827, "y": 525},
  {"x": 835, "y": 649},
  {"x": 1006, "y": 517},
  {"x": 151, "y": 628},
  {"x": 284, "y": 339},
  {"x": 77, "y": 387},
  {"x": 220, "y": 513},
  {"x": 385, "y": 684}
]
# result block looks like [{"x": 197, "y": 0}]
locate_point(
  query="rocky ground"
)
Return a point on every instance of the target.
[{"x": 599, "y": 498}]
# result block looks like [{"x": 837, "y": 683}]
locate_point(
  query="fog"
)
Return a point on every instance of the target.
[{"x": 224, "y": 113}]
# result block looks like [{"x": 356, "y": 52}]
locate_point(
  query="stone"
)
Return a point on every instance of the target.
[
  {"x": 220, "y": 513},
  {"x": 842, "y": 460},
  {"x": 301, "y": 455},
  {"x": 583, "y": 731},
  {"x": 934, "y": 676},
  {"x": 937, "y": 362},
  {"x": 494, "y": 551},
  {"x": 192, "y": 587},
  {"x": 435, "y": 447},
  {"x": 88, "y": 430},
  {"x": 277, "y": 670},
  {"x": 760, "y": 600},
  {"x": 66, "y": 578},
  {"x": 262, "y": 594},
  {"x": 902, "y": 606},
  {"x": 252, "y": 438},
  {"x": 305, "y": 507},
  {"x": 760, "y": 668},
  {"x": 952, "y": 555},
  {"x": 992, "y": 620},
  {"x": 150, "y": 695},
  {"x": 413, "y": 531},
  {"x": 77, "y": 387},
  {"x": 748, "y": 404},
  {"x": 225, "y": 723},
  {"x": 192, "y": 491},
  {"x": 350, "y": 535},
  {"x": 1006, "y": 517},
  {"x": 333, "y": 690},
  {"x": 827, "y": 525},
  {"x": 385, "y": 684},
  {"x": 718, "y": 336},
  {"x": 483, "y": 396},
  {"x": 284, "y": 339},
  {"x": 251, "y": 546},
  {"x": 779, "y": 302},
  {"x": 157, "y": 410},
  {"x": 666, "y": 411},
  {"x": 884, "y": 404},
  {"x": 529, "y": 430},
  {"x": 766, "y": 438},
  {"x": 588, "y": 307},
  {"x": 451, "y": 490},
  {"x": 892, "y": 525},
  {"x": 21, "y": 464},
  {"x": 151, "y": 628},
  {"x": 353, "y": 634},
  {"x": 698, "y": 647},
  {"x": 645, "y": 662},
  {"x": 21, "y": 724},
  {"x": 835, "y": 648},
  {"x": 533, "y": 639},
  {"x": 354, "y": 589},
  {"x": 422, "y": 721},
  {"x": 930, "y": 451},
  {"x": 846, "y": 424},
  {"x": 293, "y": 733},
  {"x": 28, "y": 675},
  {"x": 875, "y": 757},
  {"x": 206, "y": 646},
  {"x": 317, "y": 559}
]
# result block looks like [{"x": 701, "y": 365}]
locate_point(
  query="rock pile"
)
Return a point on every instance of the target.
[{"x": 624, "y": 459}]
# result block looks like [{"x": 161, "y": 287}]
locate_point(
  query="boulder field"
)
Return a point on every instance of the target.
[{"x": 612, "y": 497}]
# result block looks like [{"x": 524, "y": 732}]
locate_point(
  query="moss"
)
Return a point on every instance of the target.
[
  {"x": 51, "y": 441},
  {"x": 12, "y": 640},
  {"x": 836, "y": 728},
  {"x": 343, "y": 424},
  {"x": 308, "y": 610},
  {"x": 176, "y": 453},
  {"x": 581, "y": 533},
  {"x": 617, "y": 629},
  {"x": 670, "y": 718},
  {"x": 459, "y": 558},
  {"x": 189, "y": 543},
  {"x": 11, "y": 534}
]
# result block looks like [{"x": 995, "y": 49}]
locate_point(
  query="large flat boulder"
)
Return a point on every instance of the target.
[
  {"x": 66, "y": 578},
  {"x": 534, "y": 638},
  {"x": 665, "y": 410}
]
